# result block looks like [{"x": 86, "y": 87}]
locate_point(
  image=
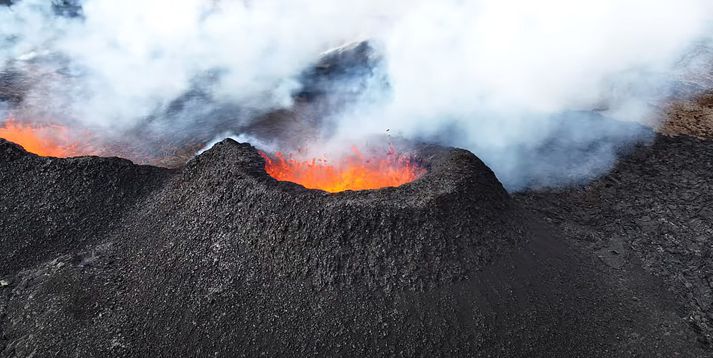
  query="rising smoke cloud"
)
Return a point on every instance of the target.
[{"x": 547, "y": 92}]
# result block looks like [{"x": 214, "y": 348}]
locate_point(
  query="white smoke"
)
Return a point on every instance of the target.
[
  {"x": 130, "y": 59},
  {"x": 514, "y": 81}
]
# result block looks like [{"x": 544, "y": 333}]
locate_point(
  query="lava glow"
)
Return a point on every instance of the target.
[
  {"x": 45, "y": 140},
  {"x": 351, "y": 172}
]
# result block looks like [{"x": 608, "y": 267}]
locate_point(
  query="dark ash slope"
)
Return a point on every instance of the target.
[
  {"x": 56, "y": 206},
  {"x": 653, "y": 211},
  {"x": 219, "y": 259}
]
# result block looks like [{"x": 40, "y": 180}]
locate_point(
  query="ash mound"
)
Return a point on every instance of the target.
[
  {"x": 101, "y": 257},
  {"x": 434, "y": 230}
]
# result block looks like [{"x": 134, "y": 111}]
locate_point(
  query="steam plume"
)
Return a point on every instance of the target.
[{"x": 546, "y": 92}]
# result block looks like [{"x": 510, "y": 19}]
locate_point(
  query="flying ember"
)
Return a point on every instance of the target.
[
  {"x": 351, "y": 172},
  {"x": 45, "y": 140}
]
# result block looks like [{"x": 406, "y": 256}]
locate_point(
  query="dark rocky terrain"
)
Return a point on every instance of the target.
[
  {"x": 653, "y": 212},
  {"x": 218, "y": 259}
]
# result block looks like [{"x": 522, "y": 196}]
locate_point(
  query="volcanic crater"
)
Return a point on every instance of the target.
[{"x": 436, "y": 229}]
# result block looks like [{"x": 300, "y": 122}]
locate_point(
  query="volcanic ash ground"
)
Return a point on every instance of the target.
[{"x": 101, "y": 257}]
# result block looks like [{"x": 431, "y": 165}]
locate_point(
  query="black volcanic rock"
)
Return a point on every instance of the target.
[
  {"x": 219, "y": 259},
  {"x": 342, "y": 72},
  {"x": 52, "y": 206}
]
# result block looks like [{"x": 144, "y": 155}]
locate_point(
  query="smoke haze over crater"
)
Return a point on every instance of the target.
[{"x": 545, "y": 92}]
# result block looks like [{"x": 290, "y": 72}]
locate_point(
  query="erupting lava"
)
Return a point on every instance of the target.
[
  {"x": 48, "y": 140},
  {"x": 352, "y": 172}
]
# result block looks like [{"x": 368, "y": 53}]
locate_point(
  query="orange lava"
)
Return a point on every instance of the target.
[
  {"x": 45, "y": 140},
  {"x": 352, "y": 172}
]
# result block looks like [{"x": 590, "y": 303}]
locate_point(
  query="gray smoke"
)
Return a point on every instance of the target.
[{"x": 547, "y": 92}]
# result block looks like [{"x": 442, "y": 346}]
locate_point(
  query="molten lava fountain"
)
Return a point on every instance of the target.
[{"x": 351, "y": 172}]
